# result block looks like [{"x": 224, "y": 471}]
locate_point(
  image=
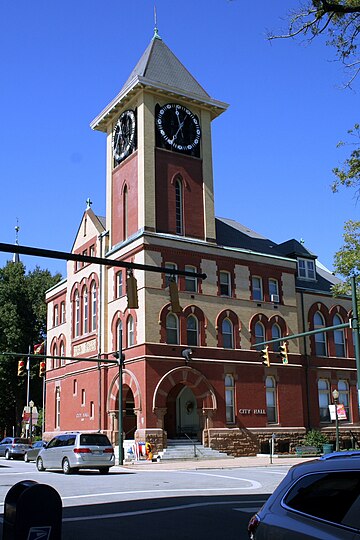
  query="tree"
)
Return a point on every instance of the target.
[
  {"x": 347, "y": 259},
  {"x": 338, "y": 19},
  {"x": 22, "y": 324}
]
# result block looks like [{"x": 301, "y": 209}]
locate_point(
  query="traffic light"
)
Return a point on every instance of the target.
[
  {"x": 42, "y": 369},
  {"x": 21, "y": 368},
  {"x": 265, "y": 356},
  {"x": 131, "y": 292},
  {"x": 284, "y": 352},
  {"x": 174, "y": 296}
]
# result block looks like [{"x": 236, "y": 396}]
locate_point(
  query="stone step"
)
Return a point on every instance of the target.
[{"x": 183, "y": 451}]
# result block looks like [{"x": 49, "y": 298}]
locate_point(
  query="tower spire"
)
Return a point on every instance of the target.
[
  {"x": 156, "y": 33},
  {"x": 16, "y": 256}
]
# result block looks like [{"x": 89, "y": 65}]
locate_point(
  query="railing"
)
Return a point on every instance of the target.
[
  {"x": 355, "y": 441},
  {"x": 194, "y": 445}
]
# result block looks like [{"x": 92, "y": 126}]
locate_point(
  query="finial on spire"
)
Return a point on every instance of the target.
[
  {"x": 156, "y": 33},
  {"x": 88, "y": 203}
]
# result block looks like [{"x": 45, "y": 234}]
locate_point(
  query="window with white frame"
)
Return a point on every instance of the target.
[
  {"x": 62, "y": 354},
  {"x": 324, "y": 399},
  {"x": 172, "y": 329},
  {"x": 343, "y": 389},
  {"x": 57, "y": 408},
  {"x": 274, "y": 290},
  {"x": 125, "y": 212},
  {"x": 85, "y": 311},
  {"x": 271, "y": 400},
  {"x": 130, "y": 331},
  {"x": 119, "y": 336},
  {"x": 225, "y": 283},
  {"x": 56, "y": 315},
  {"x": 92, "y": 410},
  {"x": 83, "y": 397},
  {"x": 77, "y": 314},
  {"x": 339, "y": 337},
  {"x": 169, "y": 277},
  {"x": 93, "y": 306},
  {"x": 259, "y": 335},
  {"x": 306, "y": 269},
  {"x": 227, "y": 331},
  {"x": 192, "y": 330},
  {"x": 320, "y": 338},
  {"x": 62, "y": 312},
  {"x": 190, "y": 281},
  {"x": 257, "y": 289},
  {"x": 119, "y": 284},
  {"x": 230, "y": 399},
  {"x": 75, "y": 386}
]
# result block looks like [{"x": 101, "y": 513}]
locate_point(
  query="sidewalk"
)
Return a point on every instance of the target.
[{"x": 231, "y": 463}]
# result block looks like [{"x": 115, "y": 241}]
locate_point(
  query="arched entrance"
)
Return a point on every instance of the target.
[
  {"x": 131, "y": 406},
  {"x": 184, "y": 401}
]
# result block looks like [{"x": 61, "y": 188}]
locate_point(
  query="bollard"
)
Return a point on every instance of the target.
[{"x": 32, "y": 511}]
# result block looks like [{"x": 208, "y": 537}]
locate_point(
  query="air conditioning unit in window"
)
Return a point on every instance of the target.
[{"x": 274, "y": 298}]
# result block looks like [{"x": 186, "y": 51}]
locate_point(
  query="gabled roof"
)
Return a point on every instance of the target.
[
  {"x": 160, "y": 69},
  {"x": 293, "y": 249}
]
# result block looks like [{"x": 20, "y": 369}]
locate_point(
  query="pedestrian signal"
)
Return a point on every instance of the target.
[{"x": 265, "y": 356}]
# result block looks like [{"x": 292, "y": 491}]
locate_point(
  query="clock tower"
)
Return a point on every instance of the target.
[{"x": 159, "y": 157}]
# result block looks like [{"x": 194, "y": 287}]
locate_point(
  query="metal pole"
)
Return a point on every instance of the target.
[
  {"x": 28, "y": 378},
  {"x": 337, "y": 447},
  {"x": 355, "y": 327},
  {"x": 43, "y": 404},
  {"x": 121, "y": 441}
]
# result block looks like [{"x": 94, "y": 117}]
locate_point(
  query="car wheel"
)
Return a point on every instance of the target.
[
  {"x": 40, "y": 464},
  {"x": 104, "y": 470},
  {"x": 66, "y": 466},
  {"x": 7, "y": 454},
  {"x": 26, "y": 459}
]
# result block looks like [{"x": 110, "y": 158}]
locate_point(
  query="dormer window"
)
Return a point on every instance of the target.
[{"x": 306, "y": 269}]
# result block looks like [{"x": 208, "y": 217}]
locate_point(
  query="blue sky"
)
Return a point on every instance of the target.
[{"x": 273, "y": 150}]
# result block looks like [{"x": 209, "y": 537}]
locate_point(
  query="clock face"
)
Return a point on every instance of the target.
[
  {"x": 178, "y": 127},
  {"x": 124, "y": 135}
]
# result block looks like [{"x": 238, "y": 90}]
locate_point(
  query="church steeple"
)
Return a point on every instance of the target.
[{"x": 16, "y": 256}]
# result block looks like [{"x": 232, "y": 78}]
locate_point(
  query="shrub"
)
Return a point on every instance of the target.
[{"x": 316, "y": 438}]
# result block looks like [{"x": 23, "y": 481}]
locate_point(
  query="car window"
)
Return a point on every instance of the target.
[
  {"x": 21, "y": 441},
  {"x": 71, "y": 441},
  {"x": 94, "y": 439},
  {"x": 333, "y": 496},
  {"x": 52, "y": 443}
]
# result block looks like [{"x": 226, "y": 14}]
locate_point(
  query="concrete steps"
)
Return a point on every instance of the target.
[{"x": 185, "y": 449}]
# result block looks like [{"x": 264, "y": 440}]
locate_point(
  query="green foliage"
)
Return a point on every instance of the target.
[
  {"x": 347, "y": 259},
  {"x": 314, "y": 437},
  {"x": 22, "y": 325}
]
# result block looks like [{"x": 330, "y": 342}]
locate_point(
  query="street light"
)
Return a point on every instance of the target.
[
  {"x": 31, "y": 405},
  {"x": 335, "y": 395}
]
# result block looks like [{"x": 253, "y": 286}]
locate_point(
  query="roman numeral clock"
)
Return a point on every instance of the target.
[
  {"x": 124, "y": 136},
  {"x": 177, "y": 128}
]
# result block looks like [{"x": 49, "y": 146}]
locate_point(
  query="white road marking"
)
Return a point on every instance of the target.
[{"x": 253, "y": 483}]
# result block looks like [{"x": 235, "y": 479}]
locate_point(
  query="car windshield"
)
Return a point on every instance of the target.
[
  {"x": 21, "y": 441},
  {"x": 94, "y": 439}
]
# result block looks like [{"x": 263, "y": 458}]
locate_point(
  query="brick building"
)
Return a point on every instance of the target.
[{"x": 160, "y": 212}]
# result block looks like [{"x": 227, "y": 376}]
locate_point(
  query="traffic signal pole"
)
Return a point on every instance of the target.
[{"x": 355, "y": 328}]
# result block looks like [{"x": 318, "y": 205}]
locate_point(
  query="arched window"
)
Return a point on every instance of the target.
[
  {"x": 275, "y": 334},
  {"x": 179, "y": 206},
  {"x": 56, "y": 362},
  {"x": 259, "y": 335},
  {"x": 57, "y": 408},
  {"x": 93, "y": 306},
  {"x": 125, "y": 212},
  {"x": 85, "y": 311},
  {"x": 339, "y": 337},
  {"x": 172, "y": 329},
  {"x": 227, "y": 334},
  {"x": 130, "y": 331},
  {"x": 56, "y": 315},
  {"x": 192, "y": 330},
  {"x": 77, "y": 314},
  {"x": 343, "y": 388},
  {"x": 62, "y": 353},
  {"x": 324, "y": 400},
  {"x": 320, "y": 338},
  {"x": 229, "y": 399},
  {"x": 271, "y": 401}
]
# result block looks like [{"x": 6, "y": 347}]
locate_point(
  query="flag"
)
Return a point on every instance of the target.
[{"x": 39, "y": 349}]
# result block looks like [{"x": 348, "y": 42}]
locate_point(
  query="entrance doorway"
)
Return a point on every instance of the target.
[{"x": 182, "y": 418}]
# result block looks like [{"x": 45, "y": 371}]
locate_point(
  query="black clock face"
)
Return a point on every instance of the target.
[
  {"x": 124, "y": 135},
  {"x": 178, "y": 127}
]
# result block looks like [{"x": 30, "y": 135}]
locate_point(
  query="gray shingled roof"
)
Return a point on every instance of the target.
[{"x": 158, "y": 65}]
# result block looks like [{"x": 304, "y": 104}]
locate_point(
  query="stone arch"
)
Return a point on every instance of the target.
[
  {"x": 131, "y": 381},
  {"x": 188, "y": 376}
]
